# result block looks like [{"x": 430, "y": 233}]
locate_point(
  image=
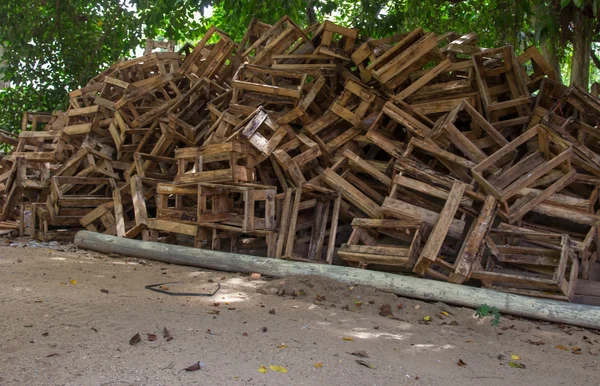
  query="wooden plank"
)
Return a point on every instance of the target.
[{"x": 436, "y": 238}]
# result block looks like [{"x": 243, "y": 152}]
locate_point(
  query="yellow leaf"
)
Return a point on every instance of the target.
[
  {"x": 262, "y": 369},
  {"x": 318, "y": 365},
  {"x": 445, "y": 313},
  {"x": 73, "y": 282},
  {"x": 516, "y": 365},
  {"x": 427, "y": 318},
  {"x": 100, "y": 23},
  {"x": 348, "y": 338},
  {"x": 560, "y": 347},
  {"x": 515, "y": 357},
  {"x": 283, "y": 345},
  {"x": 279, "y": 369}
]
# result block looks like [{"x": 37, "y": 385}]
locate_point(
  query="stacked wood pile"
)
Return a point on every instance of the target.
[{"x": 413, "y": 153}]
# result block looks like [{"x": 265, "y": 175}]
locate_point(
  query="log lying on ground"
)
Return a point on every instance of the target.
[{"x": 542, "y": 309}]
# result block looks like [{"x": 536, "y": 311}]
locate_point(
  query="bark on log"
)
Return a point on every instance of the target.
[{"x": 542, "y": 309}]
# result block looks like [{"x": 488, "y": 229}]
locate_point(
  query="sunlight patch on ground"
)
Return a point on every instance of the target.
[{"x": 431, "y": 347}]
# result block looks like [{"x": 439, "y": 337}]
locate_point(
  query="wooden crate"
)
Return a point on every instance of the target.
[
  {"x": 395, "y": 243},
  {"x": 308, "y": 225},
  {"x": 504, "y": 185},
  {"x": 227, "y": 162},
  {"x": 533, "y": 264}
]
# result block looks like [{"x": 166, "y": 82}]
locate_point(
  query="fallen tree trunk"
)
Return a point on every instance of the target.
[{"x": 549, "y": 310}]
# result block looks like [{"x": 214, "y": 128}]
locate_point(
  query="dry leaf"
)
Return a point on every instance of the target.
[
  {"x": 366, "y": 364},
  {"x": 74, "y": 282},
  {"x": 445, "y": 313},
  {"x": 516, "y": 365},
  {"x": 515, "y": 357},
  {"x": 318, "y": 365},
  {"x": 348, "y": 338},
  {"x": 195, "y": 367},
  {"x": 283, "y": 345},
  {"x": 461, "y": 363},
  {"x": 262, "y": 369},
  {"x": 245, "y": 334},
  {"x": 358, "y": 303},
  {"x": 213, "y": 312},
  {"x": 360, "y": 353},
  {"x": 163, "y": 287},
  {"x": 151, "y": 337},
  {"x": 279, "y": 369},
  {"x": 576, "y": 349},
  {"x": 536, "y": 342},
  {"x": 386, "y": 310},
  {"x": 561, "y": 347},
  {"x": 427, "y": 318},
  {"x": 135, "y": 339}
]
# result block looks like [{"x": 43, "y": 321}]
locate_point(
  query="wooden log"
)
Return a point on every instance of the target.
[{"x": 542, "y": 309}]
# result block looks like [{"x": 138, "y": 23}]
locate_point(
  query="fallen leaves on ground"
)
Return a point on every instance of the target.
[
  {"x": 461, "y": 363},
  {"x": 213, "y": 312},
  {"x": 358, "y": 303},
  {"x": 283, "y": 345},
  {"x": 515, "y": 357},
  {"x": 561, "y": 347},
  {"x": 74, "y": 282},
  {"x": 318, "y": 365},
  {"x": 195, "y": 367},
  {"x": 360, "y": 353},
  {"x": 536, "y": 342},
  {"x": 135, "y": 339},
  {"x": 167, "y": 335},
  {"x": 365, "y": 363},
  {"x": 427, "y": 318},
  {"x": 347, "y": 338},
  {"x": 445, "y": 313},
  {"x": 385, "y": 310},
  {"x": 262, "y": 369},
  {"x": 244, "y": 334},
  {"x": 279, "y": 369},
  {"x": 516, "y": 365},
  {"x": 151, "y": 337}
]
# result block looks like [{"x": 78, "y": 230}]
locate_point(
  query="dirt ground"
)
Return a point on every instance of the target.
[{"x": 67, "y": 318}]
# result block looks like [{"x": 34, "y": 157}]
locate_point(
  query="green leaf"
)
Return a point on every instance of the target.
[
  {"x": 579, "y": 3},
  {"x": 564, "y": 3}
]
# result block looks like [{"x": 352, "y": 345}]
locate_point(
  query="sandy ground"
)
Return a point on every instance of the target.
[{"x": 67, "y": 318}]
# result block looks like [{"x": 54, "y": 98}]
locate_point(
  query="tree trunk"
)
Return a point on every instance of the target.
[
  {"x": 549, "y": 50},
  {"x": 3, "y": 84},
  {"x": 583, "y": 28},
  {"x": 430, "y": 290},
  {"x": 311, "y": 15}
]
